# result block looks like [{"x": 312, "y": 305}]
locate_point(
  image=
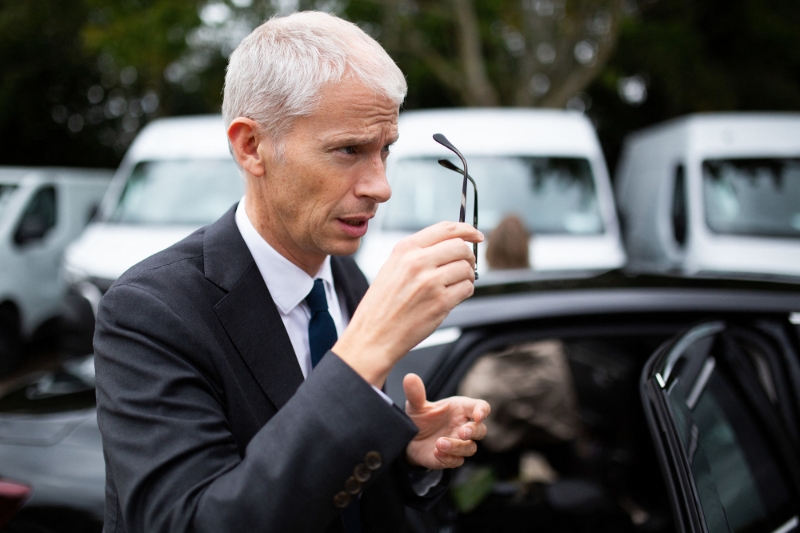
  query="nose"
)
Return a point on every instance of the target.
[{"x": 373, "y": 182}]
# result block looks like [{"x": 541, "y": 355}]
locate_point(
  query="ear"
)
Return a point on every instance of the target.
[{"x": 249, "y": 145}]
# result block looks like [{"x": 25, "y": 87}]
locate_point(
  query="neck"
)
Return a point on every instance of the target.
[{"x": 269, "y": 229}]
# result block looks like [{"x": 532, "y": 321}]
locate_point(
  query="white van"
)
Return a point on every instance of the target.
[
  {"x": 713, "y": 193},
  {"x": 177, "y": 176},
  {"x": 41, "y": 211},
  {"x": 546, "y": 166}
]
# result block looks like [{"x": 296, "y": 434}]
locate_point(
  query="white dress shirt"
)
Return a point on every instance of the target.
[{"x": 289, "y": 285}]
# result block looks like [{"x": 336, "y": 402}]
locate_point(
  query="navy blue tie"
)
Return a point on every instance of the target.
[
  {"x": 321, "y": 329},
  {"x": 321, "y": 338}
]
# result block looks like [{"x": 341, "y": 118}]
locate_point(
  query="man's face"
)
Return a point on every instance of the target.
[{"x": 319, "y": 197}]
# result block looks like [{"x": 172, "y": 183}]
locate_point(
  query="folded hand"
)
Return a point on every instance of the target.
[{"x": 448, "y": 428}]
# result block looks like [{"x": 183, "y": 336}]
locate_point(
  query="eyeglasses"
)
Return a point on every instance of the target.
[{"x": 441, "y": 139}]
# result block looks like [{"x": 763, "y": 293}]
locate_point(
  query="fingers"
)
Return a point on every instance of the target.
[
  {"x": 415, "y": 393},
  {"x": 481, "y": 410},
  {"x": 460, "y": 448},
  {"x": 472, "y": 430},
  {"x": 445, "y": 252},
  {"x": 451, "y": 452},
  {"x": 426, "y": 276},
  {"x": 444, "y": 231},
  {"x": 448, "y": 461}
]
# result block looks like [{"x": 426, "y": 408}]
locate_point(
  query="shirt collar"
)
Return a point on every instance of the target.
[{"x": 288, "y": 284}]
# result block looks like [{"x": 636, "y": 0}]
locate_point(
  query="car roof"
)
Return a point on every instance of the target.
[
  {"x": 735, "y": 134},
  {"x": 195, "y": 137},
  {"x": 492, "y": 131},
  {"x": 620, "y": 292}
]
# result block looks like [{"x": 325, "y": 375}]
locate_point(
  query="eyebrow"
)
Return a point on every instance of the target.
[{"x": 359, "y": 141}]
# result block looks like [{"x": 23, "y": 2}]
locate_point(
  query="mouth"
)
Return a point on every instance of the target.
[
  {"x": 355, "y": 226},
  {"x": 355, "y": 223}
]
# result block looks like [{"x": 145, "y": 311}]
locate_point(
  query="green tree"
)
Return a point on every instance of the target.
[
  {"x": 81, "y": 78},
  {"x": 690, "y": 56},
  {"x": 521, "y": 53},
  {"x": 45, "y": 115}
]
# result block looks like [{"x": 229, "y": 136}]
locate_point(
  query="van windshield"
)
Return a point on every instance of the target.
[
  {"x": 553, "y": 195},
  {"x": 753, "y": 196},
  {"x": 190, "y": 192},
  {"x": 6, "y": 192}
]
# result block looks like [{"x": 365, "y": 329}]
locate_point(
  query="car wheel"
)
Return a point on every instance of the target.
[{"x": 10, "y": 342}]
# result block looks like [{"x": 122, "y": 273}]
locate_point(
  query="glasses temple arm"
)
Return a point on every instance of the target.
[
  {"x": 474, "y": 221},
  {"x": 446, "y": 164},
  {"x": 441, "y": 139}
]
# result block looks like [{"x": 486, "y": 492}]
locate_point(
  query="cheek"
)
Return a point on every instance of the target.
[
  {"x": 331, "y": 198},
  {"x": 307, "y": 206},
  {"x": 310, "y": 197}
]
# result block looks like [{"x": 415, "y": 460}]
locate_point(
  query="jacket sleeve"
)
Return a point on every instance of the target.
[{"x": 173, "y": 461}]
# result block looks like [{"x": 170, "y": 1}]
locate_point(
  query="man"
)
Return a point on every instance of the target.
[{"x": 221, "y": 403}]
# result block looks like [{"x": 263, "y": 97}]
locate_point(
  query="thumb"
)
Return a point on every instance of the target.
[{"x": 415, "y": 393}]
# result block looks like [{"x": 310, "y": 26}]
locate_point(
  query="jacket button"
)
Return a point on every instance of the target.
[
  {"x": 352, "y": 486},
  {"x": 373, "y": 460},
  {"x": 341, "y": 500},
  {"x": 362, "y": 473}
]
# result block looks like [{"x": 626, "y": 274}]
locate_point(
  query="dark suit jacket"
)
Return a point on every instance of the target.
[{"x": 206, "y": 420}]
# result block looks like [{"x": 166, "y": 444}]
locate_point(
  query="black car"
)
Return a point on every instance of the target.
[{"x": 688, "y": 395}]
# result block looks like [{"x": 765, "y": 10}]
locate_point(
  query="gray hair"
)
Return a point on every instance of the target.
[{"x": 276, "y": 73}]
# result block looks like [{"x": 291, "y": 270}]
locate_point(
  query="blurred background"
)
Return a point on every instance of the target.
[
  {"x": 545, "y": 98},
  {"x": 80, "y": 78}
]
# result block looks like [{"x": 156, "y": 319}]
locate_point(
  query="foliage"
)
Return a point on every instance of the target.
[
  {"x": 81, "y": 78},
  {"x": 522, "y": 53},
  {"x": 46, "y": 76},
  {"x": 698, "y": 56}
]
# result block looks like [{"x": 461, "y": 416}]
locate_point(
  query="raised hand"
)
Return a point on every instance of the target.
[
  {"x": 427, "y": 275},
  {"x": 448, "y": 428}
]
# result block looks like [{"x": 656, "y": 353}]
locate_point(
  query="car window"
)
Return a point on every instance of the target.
[
  {"x": 553, "y": 195},
  {"x": 191, "y": 192},
  {"x": 753, "y": 196},
  {"x": 6, "y": 193},
  {"x": 737, "y": 474},
  {"x": 39, "y": 216}
]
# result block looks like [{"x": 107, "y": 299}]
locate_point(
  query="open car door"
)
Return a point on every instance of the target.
[{"x": 721, "y": 401}]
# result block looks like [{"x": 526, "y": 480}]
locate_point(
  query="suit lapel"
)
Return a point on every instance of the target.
[
  {"x": 349, "y": 281},
  {"x": 248, "y": 312}
]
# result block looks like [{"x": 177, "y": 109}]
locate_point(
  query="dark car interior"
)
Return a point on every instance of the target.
[{"x": 606, "y": 479}]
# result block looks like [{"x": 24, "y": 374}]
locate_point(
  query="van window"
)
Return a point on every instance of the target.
[
  {"x": 190, "y": 192},
  {"x": 753, "y": 196},
  {"x": 553, "y": 195},
  {"x": 39, "y": 216},
  {"x": 679, "y": 206},
  {"x": 6, "y": 193}
]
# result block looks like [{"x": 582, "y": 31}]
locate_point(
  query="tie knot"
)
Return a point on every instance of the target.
[{"x": 316, "y": 299}]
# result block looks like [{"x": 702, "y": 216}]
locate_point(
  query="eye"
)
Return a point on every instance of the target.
[
  {"x": 387, "y": 149},
  {"x": 349, "y": 150}
]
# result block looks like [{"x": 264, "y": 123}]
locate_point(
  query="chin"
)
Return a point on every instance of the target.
[{"x": 348, "y": 247}]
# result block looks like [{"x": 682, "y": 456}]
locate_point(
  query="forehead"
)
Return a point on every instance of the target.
[{"x": 350, "y": 108}]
